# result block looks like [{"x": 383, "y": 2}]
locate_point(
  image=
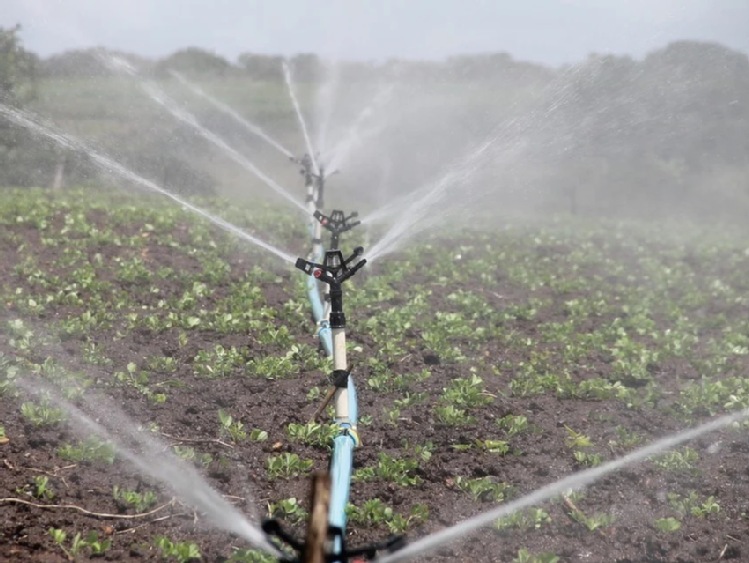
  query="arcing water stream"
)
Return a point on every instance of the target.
[
  {"x": 300, "y": 116},
  {"x": 156, "y": 461},
  {"x": 573, "y": 482},
  {"x": 251, "y": 127},
  {"x": 354, "y": 136},
  {"x": 507, "y": 145},
  {"x": 160, "y": 97},
  {"x": 28, "y": 121},
  {"x": 416, "y": 211}
]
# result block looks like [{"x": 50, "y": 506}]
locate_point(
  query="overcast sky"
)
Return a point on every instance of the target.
[{"x": 548, "y": 31}]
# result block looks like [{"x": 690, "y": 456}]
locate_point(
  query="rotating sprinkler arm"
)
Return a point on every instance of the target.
[{"x": 337, "y": 223}]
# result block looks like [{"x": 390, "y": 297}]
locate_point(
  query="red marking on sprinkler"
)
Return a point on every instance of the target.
[
  {"x": 324, "y": 221},
  {"x": 317, "y": 273}
]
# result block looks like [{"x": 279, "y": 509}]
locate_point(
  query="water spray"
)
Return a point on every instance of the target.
[
  {"x": 300, "y": 116},
  {"x": 109, "y": 165},
  {"x": 251, "y": 127},
  {"x": 159, "y": 96},
  {"x": 156, "y": 461},
  {"x": 573, "y": 482}
]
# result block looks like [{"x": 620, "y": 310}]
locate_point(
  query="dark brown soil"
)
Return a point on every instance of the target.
[{"x": 635, "y": 497}]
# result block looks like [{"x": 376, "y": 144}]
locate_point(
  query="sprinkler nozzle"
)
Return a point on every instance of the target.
[{"x": 336, "y": 224}]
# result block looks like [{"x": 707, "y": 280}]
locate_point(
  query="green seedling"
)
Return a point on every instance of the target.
[
  {"x": 96, "y": 546},
  {"x": 392, "y": 416},
  {"x": 466, "y": 392},
  {"x": 42, "y": 414},
  {"x": 483, "y": 488},
  {"x": 230, "y": 427},
  {"x": 257, "y": 435},
  {"x": 587, "y": 459},
  {"x": 691, "y": 504},
  {"x": 140, "y": 502},
  {"x": 312, "y": 433},
  {"x": 42, "y": 488},
  {"x": 182, "y": 552},
  {"x": 287, "y": 465},
  {"x": 625, "y": 439},
  {"x": 251, "y": 556},
  {"x": 678, "y": 460},
  {"x": 525, "y": 556},
  {"x": 289, "y": 509},
  {"x": 513, "y": 424},
  {"x": 593, "y": 522},
  {"x": 391, "y": 469},
  {"x": 451, "y": 415},
  {"x": 576, "y": 439},
  {"x": 90, "y": 450},
  {"x": 188, "y": 453},
  {"x": 531, "y": 518},
  {"x": 667, "y": 525},
  {"x": 422, "y": 451},
  {"x": 374, "y": 512}
]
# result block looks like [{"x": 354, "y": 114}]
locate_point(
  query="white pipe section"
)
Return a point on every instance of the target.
[{"x": 340, "y": 362}]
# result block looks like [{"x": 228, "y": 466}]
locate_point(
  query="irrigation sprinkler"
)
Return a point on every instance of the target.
[
  {"x": 333, "y": 272},
  {"x": 337, "y": 224},
  {"x": 314, "y": 183},
  {"x": 320, "y": 535},
  {"x": 325, "y": 538}
]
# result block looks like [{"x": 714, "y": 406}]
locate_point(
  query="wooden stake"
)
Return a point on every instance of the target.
[
  {"x": 316, "y": 543},
  {"x": 325, "y": 402}
]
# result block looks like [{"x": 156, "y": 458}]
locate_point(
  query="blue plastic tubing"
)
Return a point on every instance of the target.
[
  {"x": 341, "y": 463},
  {"x": 341, "y": 466}
]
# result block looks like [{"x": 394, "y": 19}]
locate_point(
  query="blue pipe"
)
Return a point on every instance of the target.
[
  {"x": 341, "y": 467},
  {"x": 342, "y": 460},
  {"x": 323, "y": 333}
]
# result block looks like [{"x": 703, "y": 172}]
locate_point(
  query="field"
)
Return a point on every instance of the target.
[{"x": 489, "y": 362}]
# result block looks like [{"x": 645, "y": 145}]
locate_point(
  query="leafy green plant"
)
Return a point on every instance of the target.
[
  {"x": 234, "y": 429},
  {"x": 531, "y": 518},
  {"x": 92, "y": 542},
  {"x": 251, "y": 556},
  {"x": 374, "y": 512},
  {"x": 90, "y": 450},
  {"x": 513, "y": 424},
  {"x": 258, "y": 435},
  {"x": 287, "y": 465},
  {"x": 692, "y": 505},
  {"x": 466, "y": 392},
  {"x": 42, "y": 414},
  {"x": 576, "y": 439},
  {"x": 391, "y": 469},
  {"x": 453, "y": 416},
  {"x": 312, "y": 433},
  {"x": 188, "y": 453},
  {"x": 588, "y": 459},
  {"x": 678, "y": 460},
  {"x": 525, "y": 556},
  {"x": 483, "y": 488},
  {"x": 594, "y": 521},
  {"x": 138, "y": 501},
  {"x": 667, "y": 525},
  {"x": 182, "y": 552},
  {"x": 289, "y": 509},
  {"x": 42, "y": 488}
]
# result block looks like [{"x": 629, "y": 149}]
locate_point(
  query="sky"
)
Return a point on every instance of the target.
[{"x": 552, "y": 32}]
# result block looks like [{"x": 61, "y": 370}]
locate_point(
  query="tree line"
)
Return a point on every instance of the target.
[{"x": 668, "y": 131}]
